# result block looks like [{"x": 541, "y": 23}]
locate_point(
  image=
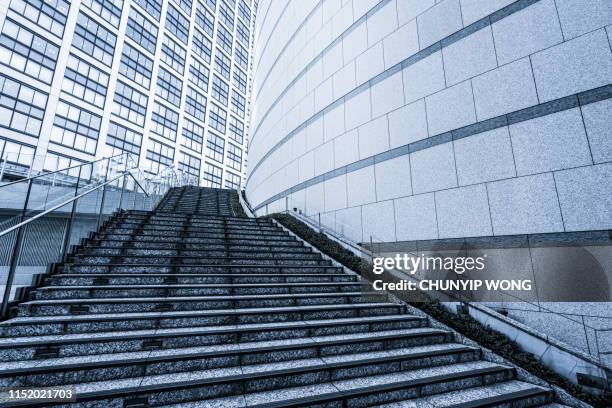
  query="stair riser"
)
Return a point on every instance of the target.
[
  {"x": 255, "y": 246},
  {"x": 59, "y": 280},
  {"x": 216, "y": 228},
  {"x": 65, "y": 293},
  {"x": 271, "y": 254},
  {"x": 176, "y": 322},
  {"x": 121, "y": 269},
  {"x": 241, "y": 241},
  {"x": 240, "y": 234},
  {"x": 193, "y": 340},
  {"x": 225, "y": 361},
  {"x": 100, "y": 260},
  {"x": 200, "y": 304},
  {"x": 158, "y": 398}
]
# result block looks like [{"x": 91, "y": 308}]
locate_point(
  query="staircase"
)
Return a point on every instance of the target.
[{"x": 191, "y": 306}]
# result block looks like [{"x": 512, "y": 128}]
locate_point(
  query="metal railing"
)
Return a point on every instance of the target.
[
  {"x": 594, "y": 339},
  {"x": 42, "y": 215}
]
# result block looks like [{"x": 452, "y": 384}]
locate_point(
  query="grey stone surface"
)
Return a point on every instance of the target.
[
  {"x": 343, "y": 80},
  {"x": 333, "y": 122},
  {"x": 484, "y": 157},
  {"x": 378, "y": 221},
  {"x": 424, "y": 77},
  {"x": 529, "y": 30},
  {"x": 373, "y": 137},
  {"x": 433, "y": 169},
  {"x": 439, "y": 21},
  {"x": 463, "y": 212},
  {"x": 370, "y": 63},
  {"x": 450, "y": 108},
  {"x": 387, "y": 94},
  {"x": 335, "y": 193},
  {"x": 599, "y": 129},
  {"x": 357, "y": 109},
  {"x": 382, "y": 23},
  {"x": 393, "y": 178},
  {"x": 361, "y": 186},
  {"x": 402, "y": 43},
  {"x": 469, "y": 56},
  {"x": 551, "y": 142},
  {"x": 407, "y": 10},
  {"x": 578, "y": 17},
  {"x": 574, "y": 66},
  {"x": 407, "y": 124},
  {"x": 473, "y": 10},
  {"x": 346, "y": 148},
  {"x": 585, "y": 195},
  {"x": 505, "y": 89},
  {"x": 355, "y": 42},
  {"x": 525, "y": 205},
  {"x": 415, "y": 217}
]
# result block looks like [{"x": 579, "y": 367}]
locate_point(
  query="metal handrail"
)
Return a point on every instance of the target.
[
  {"x": 60, "y": 205},
  {"x": 47, "y": 173}
]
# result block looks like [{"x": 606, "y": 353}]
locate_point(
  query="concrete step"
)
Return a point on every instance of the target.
[
  {"x": 178, "y": 290},
  {"x": 357, "y": 379},
  {"x": 281, "y": 252},
  {"x": 302, "y": 258},
  {"x": 201, "y": 269},
  {"x": 70, "y": 345},
  {"x": 68, "y": 280},
  {"x": 88, "y": 322},
  {"x": 99, "y": 305},
  {"x": 415, "y": 348}
]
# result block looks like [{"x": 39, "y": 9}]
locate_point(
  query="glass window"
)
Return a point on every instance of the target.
[
  {"x": 242, "y": 56},
  {"x": 212, "y": 4},
  {"x": 136, "y": 66},
  {"x": 107, "y": 9},
  {"x": 169, "y": 87},
  {"x": 75, "y": 127},
  {"x": 93, "y": 39},
  {"x": 226, "y": 15},
  {"x": 234, "y": 157},
  {"x": 223, "y": 64},
  {"x": 224, "y": 39},
  {"x": 240, "y": 79},
  {"x": 189, "y": 164},
  {"x": 205, "y": 19},
  {"x": 212, "y": 176},
  {"x": 238, "y": 103},
  {"x": 85, "y": 81},
  {"x": 173, "y": 55},
  {"x": 130, "y": 104},
  {"x": 193, "y": 135},
  {"x": 55, "y": 161},
  {"x": 198, "y": 75},
  {"x": 242, "y": 33},
  {"x": 177, "y": 24},
  {"x": 142, "y": 31},
  {"x": 244, "y": 11},
  {"x": 21, "y": 107},
  {"x": 232, "y": 181},
  {"x": 123, "y": 138},
  {"x": 236, "y": 130},
  {"x": 159, "y": 155},
  {"x": 220, "y": 90},
  {"x": 50, "y": 14},
  {"x": 165, "y": 121},
  {"x": 195, "y": 104},
  {"x": 153, "y": 7},
  {"x": 216, "y": 118},
  {"x": 185, "y": 5},
  {"x": 27, "y": 52},
  {"x": 215, "y": 147},
  {"x": 201, "y": 45}
]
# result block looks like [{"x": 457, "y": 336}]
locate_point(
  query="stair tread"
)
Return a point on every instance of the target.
[
  {"x": 100, "y": 336},
  {"x": 201, "y": 285},
  {"x": 194, "y": 312},
  {"x": 154, "y": 355}
]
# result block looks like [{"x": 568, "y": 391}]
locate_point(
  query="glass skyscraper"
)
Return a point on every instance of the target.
[{"x": 165, "y": 80}]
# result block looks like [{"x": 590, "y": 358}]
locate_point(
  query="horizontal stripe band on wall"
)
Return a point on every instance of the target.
[
  {"x": 543, "y": 109},
  {"x": 422, "y": 54}
]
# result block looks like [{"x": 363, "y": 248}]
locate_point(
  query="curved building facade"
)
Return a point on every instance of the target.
[{"x": 422, "y": 120}]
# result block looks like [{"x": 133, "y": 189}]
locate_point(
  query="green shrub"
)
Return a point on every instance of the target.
[{"x": 463, "y": 324}]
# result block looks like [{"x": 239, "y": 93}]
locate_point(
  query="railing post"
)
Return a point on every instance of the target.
[
  {"x": 103, "y": 197},
  {"x": 15, "y": 255},
  {"x": 124, "y": 182},
  {"x": 286, "y": 203},
  {"x": 68, "y": 232},
  {"x": 2, "y": 169}
]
